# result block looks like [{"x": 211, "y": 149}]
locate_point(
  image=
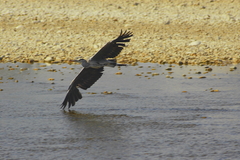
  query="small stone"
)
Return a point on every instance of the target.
[
  {"x": 23, "y": 69},
  {"x": 233, "y": 68},
  {"x": 18, "y": 27},
  {"x": 168, "y": 69},
  {"x": 30, "y": 61},
  {"x": 118, "y": 73},
  {"x": 184, "y": 91},
  {"x": 202, "y": 77},
  {"x": 48, "y": 59},
  {"x": 155, "y": 74},
  {"x": 52, "y": 70},
  {"x": 208, "y": 69},
  {"x": 194, "y": 43},
  {"x": 51, "y": 79},
  {"x": 180, "y": 63},
  {"x": 91, "y": 93},
  {"x": 58, "y": 59},
  {"x": 214, "y": 90},
  {"x": 106, "y": 92}
]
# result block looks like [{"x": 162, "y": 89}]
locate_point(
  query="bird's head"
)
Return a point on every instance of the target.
[{"x": 78, "y": 60}]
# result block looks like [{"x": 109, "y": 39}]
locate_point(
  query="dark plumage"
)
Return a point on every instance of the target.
[{"x": 93, "y": 68}]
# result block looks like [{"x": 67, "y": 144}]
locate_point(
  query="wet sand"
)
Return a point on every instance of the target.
[{"x": 181, "y": 32}]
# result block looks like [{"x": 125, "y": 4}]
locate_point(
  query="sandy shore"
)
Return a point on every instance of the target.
[{"x": 182, "y": 32}]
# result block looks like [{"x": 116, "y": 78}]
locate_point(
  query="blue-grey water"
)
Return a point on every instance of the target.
[{"x": 145, "y": 117}]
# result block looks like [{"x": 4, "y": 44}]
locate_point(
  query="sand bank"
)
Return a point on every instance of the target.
[{"x": 182, "y": 32}]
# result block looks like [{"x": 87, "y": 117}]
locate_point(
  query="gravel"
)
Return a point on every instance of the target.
[{"x": 180, "y": 32}]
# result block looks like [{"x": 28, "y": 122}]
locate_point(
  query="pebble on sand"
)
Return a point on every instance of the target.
[
  {"x": 195, "y": 43},
  {"x": 48, "y": 59}
]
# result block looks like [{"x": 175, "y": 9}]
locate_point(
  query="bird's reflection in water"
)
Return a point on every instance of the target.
[
  {"x": 76, "y": 114},
  {"x": 103, "y": 134}
]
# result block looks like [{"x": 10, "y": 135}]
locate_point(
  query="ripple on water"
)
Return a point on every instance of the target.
[{"x": 145, "y": 117}]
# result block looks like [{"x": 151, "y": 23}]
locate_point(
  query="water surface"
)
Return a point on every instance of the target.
[{"x": 145, "y": 117}]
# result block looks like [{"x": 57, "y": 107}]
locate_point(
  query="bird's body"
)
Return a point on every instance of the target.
[
  {"x": 98, "y": 64},
  {"x": 93, "y": 68}
]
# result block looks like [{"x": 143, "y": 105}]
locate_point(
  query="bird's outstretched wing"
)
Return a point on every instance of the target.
[
  {"x": 113, "y": 48},
  {"x": 85, "y": 79}
]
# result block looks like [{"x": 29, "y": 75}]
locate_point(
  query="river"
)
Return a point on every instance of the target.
[{"x": 152, "y": 112}]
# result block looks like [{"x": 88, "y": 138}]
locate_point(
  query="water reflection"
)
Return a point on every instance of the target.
[{"x": 100, "y": 134}]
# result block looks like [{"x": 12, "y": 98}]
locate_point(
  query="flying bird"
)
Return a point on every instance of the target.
[{"x": 93, "y": 68}]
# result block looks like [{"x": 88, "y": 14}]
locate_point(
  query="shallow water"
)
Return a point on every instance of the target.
[{"x": 145, "y": 117}]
